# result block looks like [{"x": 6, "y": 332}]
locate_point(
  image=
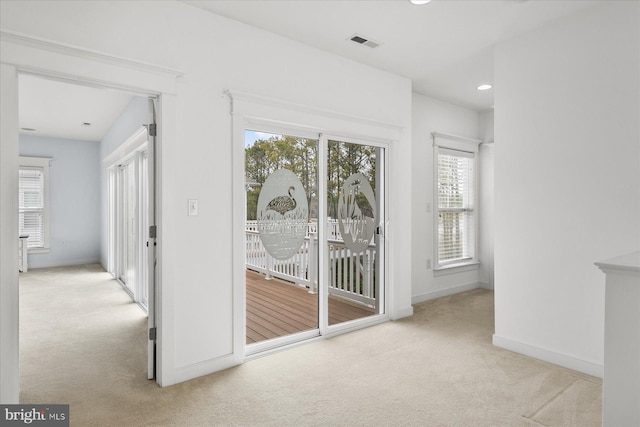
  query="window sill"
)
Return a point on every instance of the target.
[
  {"x": 456, "y": 268},
  {"x": 38, "y": 251}
]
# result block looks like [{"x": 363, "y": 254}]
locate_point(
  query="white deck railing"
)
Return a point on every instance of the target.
[
  {"x": 312, "y": 228},
  {"x": 351, "y": 275}
]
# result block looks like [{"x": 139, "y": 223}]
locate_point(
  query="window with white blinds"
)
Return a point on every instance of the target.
[
  {"x": 33, "y": 201},
  {"x": 456, "y": 218},
  {"x": 456, "y": 222}
]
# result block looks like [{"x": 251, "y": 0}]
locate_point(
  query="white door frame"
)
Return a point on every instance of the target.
[
  {"x": 136, "y": 149},
  {"x": 279, "y": 116},
  {"x": 25, "y": 54}
]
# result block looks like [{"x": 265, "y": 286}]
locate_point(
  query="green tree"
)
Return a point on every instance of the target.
[
  {"x": 265, "y": 156},
  {"x": 300, "y": 155}
]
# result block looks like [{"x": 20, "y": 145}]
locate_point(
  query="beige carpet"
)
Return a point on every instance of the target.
[{"x": 83, "y": 343}]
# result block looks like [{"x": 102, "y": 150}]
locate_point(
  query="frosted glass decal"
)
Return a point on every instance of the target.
[
  {"x": 283, "y": 214},
  {"x": 357, "y": 212}
]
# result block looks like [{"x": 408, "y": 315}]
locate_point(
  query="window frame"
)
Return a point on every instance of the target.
[
  {"x": 468, "y": 147},
  {"x": 41, "y": 163}
]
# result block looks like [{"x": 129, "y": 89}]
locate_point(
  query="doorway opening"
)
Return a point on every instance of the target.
[{"x": 78, "y": 127}]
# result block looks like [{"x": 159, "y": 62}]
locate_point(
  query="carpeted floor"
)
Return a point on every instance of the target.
[{"x": 83, "y": 343}]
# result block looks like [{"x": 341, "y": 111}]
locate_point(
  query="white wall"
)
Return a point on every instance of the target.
[
  {"x": 431, "y": 115},
  {"x": 9, "y": 337},
  {"x": 216, "y": 54},
  {"x": 73, "y": 200},
  {"x": 567, "y": 179},
  {"x": 486, "y": 188},
  {"x": 134, "y": 115}
]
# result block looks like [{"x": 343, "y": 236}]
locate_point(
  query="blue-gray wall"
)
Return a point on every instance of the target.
[
  {"x": 74, "y": 199},
  {"x": 78, "y": 189}
]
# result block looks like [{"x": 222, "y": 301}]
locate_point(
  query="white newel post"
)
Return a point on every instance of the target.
[
  {"x": 621, "y": 380},
  {"x": 268, "y": 265},
  {"x": 366, "y": 273},
  {"x": 312, "y": 259}
]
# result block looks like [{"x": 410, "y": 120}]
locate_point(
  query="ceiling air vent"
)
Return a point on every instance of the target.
[{"x": 364, "y": 41}]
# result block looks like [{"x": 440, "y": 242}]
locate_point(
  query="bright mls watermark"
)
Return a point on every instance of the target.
[{"x": 34, "y": 415}]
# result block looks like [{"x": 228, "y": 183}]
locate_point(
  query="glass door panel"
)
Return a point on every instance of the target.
[
  {"x": 131, "y": 227},
  {"x": 126, "y": 206},
  {"x": 143, "y": 282},
  {"x": 355, "y": 214},
  {"x": 280, "y": 235}
]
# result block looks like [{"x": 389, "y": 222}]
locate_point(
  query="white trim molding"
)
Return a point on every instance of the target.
[
  {"x": 549, "y": 356},
  {"x": 64, "y": 61},
  {"x": 240, "y": 96},
  {"x": 136, "y": 142},
  {"x": 456, "y": 142},
  {"x": 189, "y": 372},
  {"x": 400, "y": 313},
  {"x": 431, "y": 295},
  {"x": 67, "y": 49},
  {"x": 455, "y": 268},
  {"x": 277, "y": 115},
  {"x": 21, "y": 53}
]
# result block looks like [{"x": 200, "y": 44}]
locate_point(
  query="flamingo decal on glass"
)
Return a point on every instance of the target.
[
  {"x": 283, "y": 204},
  {"x": 283, "y": 214}
]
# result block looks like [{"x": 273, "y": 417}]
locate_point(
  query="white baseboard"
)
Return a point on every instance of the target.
[
  {"x": 69, "y": 263},
  {"x": 579, "y": 365},
  {"x": 487, "y": 286},
  {"x": 403, "y": 312},
  {"x": 444, "y": 292},
  {"x": 186, "y": 373}
]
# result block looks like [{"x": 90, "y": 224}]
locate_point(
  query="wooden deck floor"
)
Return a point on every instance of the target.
[{"x": 276, "y": 308}]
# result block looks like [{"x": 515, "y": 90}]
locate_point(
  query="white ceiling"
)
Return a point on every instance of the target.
[
  {"x": 445, "y": 47},
  {"x": 59, "y": 109}
]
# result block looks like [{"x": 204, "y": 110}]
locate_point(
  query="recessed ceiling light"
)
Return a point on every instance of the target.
[
  {"x": 28, "y": 129},
  {"x": 485, "y": 87},
  {"x": 419, "y": 2},
  {"x": 86, "y": 124}
]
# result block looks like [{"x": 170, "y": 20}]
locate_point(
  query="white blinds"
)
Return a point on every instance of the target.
[
  {"x": 456, "y": 234},
  {"x": 31, "y": 205}
]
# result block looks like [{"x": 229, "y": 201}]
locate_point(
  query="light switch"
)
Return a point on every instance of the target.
[{"x": 192, "y": 207}]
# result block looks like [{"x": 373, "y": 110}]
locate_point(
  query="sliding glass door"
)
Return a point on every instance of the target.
[
  {"x": 281, "y": 237},
  {"x": 129, "y": 222},
  {"x": 314, "y": 220},
  {"x": 354, "y": 244}
]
